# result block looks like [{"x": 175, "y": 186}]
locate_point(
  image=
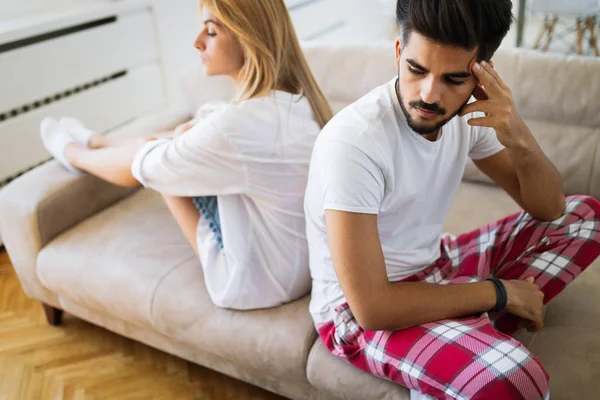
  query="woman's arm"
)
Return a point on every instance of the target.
[{"x": 201, "y": 162}]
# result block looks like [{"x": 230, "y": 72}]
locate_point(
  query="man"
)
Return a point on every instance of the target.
[{"x": 391, "y": 295}]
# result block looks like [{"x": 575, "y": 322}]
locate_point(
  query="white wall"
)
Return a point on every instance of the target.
[
  {"x": 17, "y": 8},
  {"x": 178, "y": 23}
]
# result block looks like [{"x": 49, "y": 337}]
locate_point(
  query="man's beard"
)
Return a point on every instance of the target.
[{"x": 424, "y": 129}]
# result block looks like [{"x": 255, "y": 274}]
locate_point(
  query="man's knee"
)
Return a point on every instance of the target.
[
  {"x": 594, "y": 205},
  {"x": 515, "y": 371},
  {"x": 586, "y": 207}
]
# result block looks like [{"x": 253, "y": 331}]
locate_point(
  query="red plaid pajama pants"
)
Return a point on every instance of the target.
[{"x": 474, "y": 357}]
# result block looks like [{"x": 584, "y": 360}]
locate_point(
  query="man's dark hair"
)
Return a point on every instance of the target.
[{"x": 460, "y": 23}]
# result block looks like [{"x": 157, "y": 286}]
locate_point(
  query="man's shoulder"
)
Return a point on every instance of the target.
[{"x": 360, "y": 123}]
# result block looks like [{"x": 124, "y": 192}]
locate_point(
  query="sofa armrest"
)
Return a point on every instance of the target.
[{"x": 41, "y": 204}]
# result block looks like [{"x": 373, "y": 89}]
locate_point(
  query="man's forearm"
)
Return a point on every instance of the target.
[
  {"x": 403, "y": 305},
  {"x": 540, "y": 182}
]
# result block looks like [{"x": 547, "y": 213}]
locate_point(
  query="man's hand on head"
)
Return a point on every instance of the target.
[{"x": 495, "y": 100}]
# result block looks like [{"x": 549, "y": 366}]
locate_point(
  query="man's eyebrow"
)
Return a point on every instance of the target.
[
  {"x": 458, "y": 74},
  {"x": 416, "y": 65}
]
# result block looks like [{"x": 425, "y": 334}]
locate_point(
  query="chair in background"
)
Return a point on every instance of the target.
[{"x": 584, "y": 12}]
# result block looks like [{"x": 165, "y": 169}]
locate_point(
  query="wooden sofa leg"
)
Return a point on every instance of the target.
[{"x": 53, "y": 315}]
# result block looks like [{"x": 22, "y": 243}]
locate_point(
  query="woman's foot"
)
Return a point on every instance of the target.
[
  {"x": 56, "y": 139},
  {"x": 98, "y": 141},
  {"x": 78, "y": 131}
]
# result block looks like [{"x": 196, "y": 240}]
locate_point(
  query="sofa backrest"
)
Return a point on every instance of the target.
[{"x": 558, "y": 96}]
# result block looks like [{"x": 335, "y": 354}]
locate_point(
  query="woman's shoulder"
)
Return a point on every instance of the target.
[
  {"x": 231, "y": 112},
  {"x": 224, "y": 116},
  {"x": 261, "y": 111}
]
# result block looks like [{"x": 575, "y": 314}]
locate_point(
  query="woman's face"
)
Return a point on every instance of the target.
[{"x": 220, "y": 50}]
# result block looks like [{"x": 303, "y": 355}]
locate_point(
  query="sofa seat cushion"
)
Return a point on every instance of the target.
[
  {"x": 132, "y": 262},
  {"x": 477, "y": 204},
  {"x": 114, "y": 261},
  {"x": 340, "y": 380},
  {"x": 274, "y": 342}
]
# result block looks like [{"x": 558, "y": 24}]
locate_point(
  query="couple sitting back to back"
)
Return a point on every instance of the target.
[{"x": 276, "y": 196}]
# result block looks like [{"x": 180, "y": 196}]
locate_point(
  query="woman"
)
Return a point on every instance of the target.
[{"x": 234, "y": 180}]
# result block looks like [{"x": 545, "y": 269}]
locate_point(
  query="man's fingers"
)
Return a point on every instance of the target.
[
  {"x": 484, "y": 77},
  {"x": 539, "y": 324},
  {"x": 488, "y": 67},
  {"x": 535, "y": 327},
  {"x": 536, "y": 322},
  {"x": 480, "y": 94},
  {"x": 483, "y": 121},
  {"x": 492, "y": 87},
  {"x": 483, "y": 106}
]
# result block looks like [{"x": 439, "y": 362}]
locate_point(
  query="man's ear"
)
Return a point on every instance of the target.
[{"x": 398, "y": 52}]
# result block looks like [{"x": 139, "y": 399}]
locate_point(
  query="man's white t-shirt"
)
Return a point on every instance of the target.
[
  {"x": 367, "y": 160},
  {"x": 254, "y": 157}
]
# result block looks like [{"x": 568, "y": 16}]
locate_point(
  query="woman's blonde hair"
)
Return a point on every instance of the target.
[{"x": 273, "y": 57}]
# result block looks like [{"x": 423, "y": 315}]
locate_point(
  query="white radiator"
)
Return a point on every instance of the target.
[{"x": 98, "y": 62}]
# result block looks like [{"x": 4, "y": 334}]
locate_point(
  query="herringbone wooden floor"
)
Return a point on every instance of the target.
[{"x": 81, "y": 361}]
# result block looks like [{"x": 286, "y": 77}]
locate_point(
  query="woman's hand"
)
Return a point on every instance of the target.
[{"x": 182, "y": 128}]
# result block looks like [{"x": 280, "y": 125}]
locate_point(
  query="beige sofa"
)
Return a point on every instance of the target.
[{"x": 115, "y": 257}]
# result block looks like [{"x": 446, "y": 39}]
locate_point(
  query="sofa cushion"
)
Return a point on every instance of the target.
[
  {"x": 132, "y": 262},
  {"x": 114, "y": 261},
  {"x": 274, "y": 342},
  {"x": 477, "y": 204},
  {"x": 341, "y": 380},
  {"x": 574, "y": 150}
]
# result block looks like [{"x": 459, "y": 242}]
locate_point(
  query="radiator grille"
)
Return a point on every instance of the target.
[{"x": 15, "y": 112}]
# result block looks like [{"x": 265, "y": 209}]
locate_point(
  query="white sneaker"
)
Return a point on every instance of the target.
[
  {"x": 55, "y": 140},
  {"x": 76, "y": 129}
]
